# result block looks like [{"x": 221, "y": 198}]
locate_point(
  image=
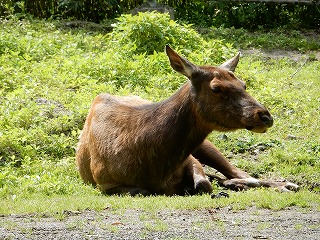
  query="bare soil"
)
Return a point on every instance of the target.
[{"x": 294, "y": 223}]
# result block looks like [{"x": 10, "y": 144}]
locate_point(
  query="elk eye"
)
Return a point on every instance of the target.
[{"x": 216, "y": 90}]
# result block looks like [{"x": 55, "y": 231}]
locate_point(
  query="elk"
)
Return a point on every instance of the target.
[{"x": 130, "y": 145}]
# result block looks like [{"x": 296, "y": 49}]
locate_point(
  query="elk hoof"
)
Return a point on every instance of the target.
[
  {"x": 203, "y": 186},
  {"x": 288, "y": 187}
]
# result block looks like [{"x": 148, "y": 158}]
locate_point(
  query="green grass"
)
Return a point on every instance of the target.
[
  {"x": 60, "y": 205},
  {"x": 49, "y": 76}
]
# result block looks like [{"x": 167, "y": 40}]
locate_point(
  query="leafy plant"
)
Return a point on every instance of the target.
[
  {"x": 247, "y": 15},
  {"x": 146, "y": 33}
]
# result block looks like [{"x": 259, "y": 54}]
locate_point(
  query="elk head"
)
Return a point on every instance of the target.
[{"x": 220, "y": 98}]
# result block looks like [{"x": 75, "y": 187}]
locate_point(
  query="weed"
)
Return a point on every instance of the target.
[
  {"x": 9, "y": 225},
  {"x": 114, "y": 228},
  {"x": 298, "y": 226},
  {"x": 221, "y": 225},
  {"x": 263, "y": 226},
  {"x": 147, "y": 33},
  {"x": 157, "y": 225}
]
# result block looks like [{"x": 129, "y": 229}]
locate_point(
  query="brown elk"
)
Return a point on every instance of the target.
[{"x": 131, "y": 145}]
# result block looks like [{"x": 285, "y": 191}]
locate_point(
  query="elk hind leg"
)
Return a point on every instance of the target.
[
  {"x": 108, "y": 185},
  {"x": 127, "y": 190},
  {"x": 83, "y": 161}
]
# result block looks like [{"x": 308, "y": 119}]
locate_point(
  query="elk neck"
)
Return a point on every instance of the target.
[{"x": 175, "y": 122}]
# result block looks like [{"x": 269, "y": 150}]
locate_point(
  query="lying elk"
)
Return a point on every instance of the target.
[{"x": 130, "y": 145}]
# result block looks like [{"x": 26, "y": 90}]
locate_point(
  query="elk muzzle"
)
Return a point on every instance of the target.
[
  {"x": 266, "y": 118},
  {"x": 263, "y": 120}
]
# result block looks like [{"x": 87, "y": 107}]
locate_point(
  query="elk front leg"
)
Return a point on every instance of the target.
[
  {"x": 209, "y": 155},
  {"x": 237, "y": 179},
  {"x": 200, "y": 181},
  {"x": 189, "y": 179}
]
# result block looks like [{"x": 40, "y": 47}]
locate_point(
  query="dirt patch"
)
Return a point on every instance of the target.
[
  {"x": 276, "y": 54},
  {"x": 223, "y": 223}
]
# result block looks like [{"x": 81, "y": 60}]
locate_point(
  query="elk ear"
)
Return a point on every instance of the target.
[
  {"x": 232, "y": 63},
  {"x": 180, "y": 64}
]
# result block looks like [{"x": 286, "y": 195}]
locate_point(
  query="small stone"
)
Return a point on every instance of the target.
[
  {"x": 219, "y": 195},
  {"x": 223, "y": 137},
  {"x": 291, "y": 137}
]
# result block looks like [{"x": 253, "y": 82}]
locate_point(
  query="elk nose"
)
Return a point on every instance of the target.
[{"x": 266, "y": 118}]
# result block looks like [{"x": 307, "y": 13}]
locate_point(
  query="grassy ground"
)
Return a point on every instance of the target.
[
  {"x": 49, "y": 75},
  {"x": 57, "y": 205}
]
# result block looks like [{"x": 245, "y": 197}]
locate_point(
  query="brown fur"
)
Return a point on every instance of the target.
[{"x": 130, "y": 145}]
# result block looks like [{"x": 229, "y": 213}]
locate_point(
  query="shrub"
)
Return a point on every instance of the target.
[
  {"x": 137, "y": 44},
  {"x": 248, "y": 15},
  {"x": 149, "y": 32}
]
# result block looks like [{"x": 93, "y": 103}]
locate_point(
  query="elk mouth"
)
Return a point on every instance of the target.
[
  {"x": 249, "y": 128},
  {"x": 257, "y": 129},
  {"x": 265, "y": 122}
]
